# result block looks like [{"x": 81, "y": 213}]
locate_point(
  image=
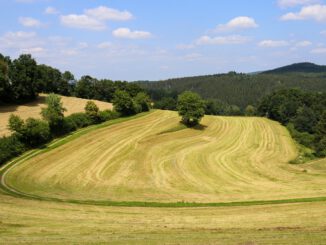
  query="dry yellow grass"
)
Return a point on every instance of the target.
[
  {"x": 229, "y": 159},
  {"x": 148, "y": 159},
  {"x": 33, "y": 109}
]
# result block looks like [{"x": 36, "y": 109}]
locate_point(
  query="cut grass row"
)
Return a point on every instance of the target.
[{"x": 60, "y": 142}]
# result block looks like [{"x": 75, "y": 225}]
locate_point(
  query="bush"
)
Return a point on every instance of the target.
[
  {"x": 92, "y": 112},
  {"x": 304, "y": 138},
  {"x": 36, "y": 132},
  {"x": 107, "y": 115},
  {"x": 10, "y": 147},
  {"x": 78, "y": 120}
]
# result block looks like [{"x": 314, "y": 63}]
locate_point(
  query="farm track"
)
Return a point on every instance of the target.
[{"x": 232, "y": 162}]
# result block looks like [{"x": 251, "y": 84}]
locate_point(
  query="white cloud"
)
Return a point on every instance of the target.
[
  {"x": 127, "y": 33},
  {"x": 104, "y": 45},
  {"x": 82, "y": 45},
  {"x": 19, "y": 40},
  {"x": 319, "y": 51},
  {"x": 323, "y": 33},
  {"x": 222, "y": 40},
  {"x": 273, "y": 43},
  {"x": 105, "y": 13},
  {"x": 29, "y": 22},
  {"x": 303, "y": 44},
  {"x": 82, "y": 22},
  {"x": 293, "y": 3},
  {"x": 33, "y": 51},
  {"x": 51, "y": 10},
  {"x": 241, "y": 22},
  {"x": 315, "y": 12}
]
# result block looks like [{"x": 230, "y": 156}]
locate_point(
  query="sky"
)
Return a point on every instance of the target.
[{"x": 152, "y": 40}]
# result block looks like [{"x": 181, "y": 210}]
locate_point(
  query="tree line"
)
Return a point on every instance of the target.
[
  {"x": 302, "y": 112},
  {"x": 22, "y": 79}
]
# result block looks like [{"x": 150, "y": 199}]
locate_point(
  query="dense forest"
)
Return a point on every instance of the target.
[
  {"x": 22, "y": 79},
  {"x": 233, "y": 89}
]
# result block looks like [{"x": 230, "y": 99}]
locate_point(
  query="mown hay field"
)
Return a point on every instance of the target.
[
  {"x": 153, "y": 158},
  {"x": 33, "y": 109}
]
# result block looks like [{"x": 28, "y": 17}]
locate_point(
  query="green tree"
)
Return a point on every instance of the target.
[
  {"x": 321, "y": 136},
  {"x": 191, "y": 108},
  {"x": 85, "y": 87},
  {"x": 5, "y": 89},
  {"x": 144, "y": 101},
  {"x": 250, "y": 111},
  {"x": 92, "y": 111},
  {"x": 16, "y": 124},
  {"x": 54, "y": 113},
  {"x": 123, "y": 103},
  {"x": 23, "y": 77}
]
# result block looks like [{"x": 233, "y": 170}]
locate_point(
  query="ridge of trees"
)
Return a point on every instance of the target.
[{"x": 22, "y": 79}]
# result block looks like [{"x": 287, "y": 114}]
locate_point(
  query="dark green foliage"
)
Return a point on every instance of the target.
[
  {"x": 53, "y": 113},
  {"x": 50, "y": 80},
  {"x": 23, "y": 77},
  {"x": 32, "y": 132},
  {"x": 166, "y": 103},
  {"x": 234, "y": 88},
  {"x": 85, "y": 87},
  {"x": 10, "y": 147},
  {"x": 124, "y": 104},
  {"x": 299, "y": 67},
  {"x": 78, "y": 120},
  {"x": 143, "y": 100},
  {"x": 107, "y": 115},
  {"x": 321, "y": 135},
  {"x": 302, "y": 112},
  {"x": 191, "y": 108}
]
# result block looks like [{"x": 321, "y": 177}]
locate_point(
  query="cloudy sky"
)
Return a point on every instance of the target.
[{"x": 149, "y": 40}]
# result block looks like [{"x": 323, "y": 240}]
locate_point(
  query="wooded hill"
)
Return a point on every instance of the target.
[{"x": 241, "y": 89}]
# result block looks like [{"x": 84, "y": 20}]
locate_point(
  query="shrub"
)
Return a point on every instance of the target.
[
  {"x": 10, "y": 147},
  {"x": 36, "y": 132},
  {"x": 78, "y": 120},
  {"x": 107, "y": 115},
  {"x": 92, "y": 112}
]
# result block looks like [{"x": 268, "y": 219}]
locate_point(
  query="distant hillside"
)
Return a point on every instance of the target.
[
  {"x": 234, "y": 88},
  {"x": 304, "y": 67}
]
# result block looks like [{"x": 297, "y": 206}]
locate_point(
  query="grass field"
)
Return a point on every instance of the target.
[
  {"x": 33, "y": 109},
  {"x": 152, "y": 159}
]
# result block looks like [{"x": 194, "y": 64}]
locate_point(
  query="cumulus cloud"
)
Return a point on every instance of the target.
[
  {"x": 94, "y": 19},
  {"x": 129, "y": 34},
  {"x": 273, "y": 43},
  {"x": 323, "y": 33},
  {"x": 105, "y": 13},
  {"x": 29, "y": 22},
  {"x": 293, "y": 3},
  {"x": 51, "y": 10},
  {"x": 315, "y": 12},
  {"x": 241, "y": 22},
  {"x": 82, "y": 22},
  {"x": 222, "y": 40}
]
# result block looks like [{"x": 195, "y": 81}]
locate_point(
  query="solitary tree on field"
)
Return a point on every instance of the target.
[{"x": 191, "y": 108}]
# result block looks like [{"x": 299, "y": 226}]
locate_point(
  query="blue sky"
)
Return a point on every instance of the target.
[{"x": 150, "y": 40}]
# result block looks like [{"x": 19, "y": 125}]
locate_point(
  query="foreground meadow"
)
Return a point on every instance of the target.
[{"x": 90, "y": 186}]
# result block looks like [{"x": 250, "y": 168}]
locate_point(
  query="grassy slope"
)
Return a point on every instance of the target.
[
  {"x": 39, "y": 222},
  {"x": 231, "y": 160},
  {"x": 33, "y": 109}
]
